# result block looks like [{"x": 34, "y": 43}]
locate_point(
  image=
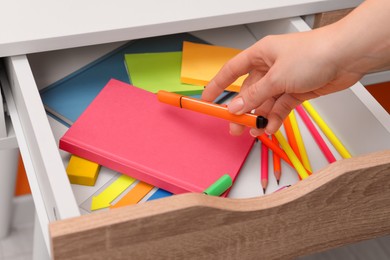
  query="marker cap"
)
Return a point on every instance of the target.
[
  {"x": 220, "y": 186},
  {"x": 261, "y": 122}
]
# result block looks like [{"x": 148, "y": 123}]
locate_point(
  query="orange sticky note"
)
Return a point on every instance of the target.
[
  {"x": 201, "y": 62},
  {"x": 134, "y": 195}
]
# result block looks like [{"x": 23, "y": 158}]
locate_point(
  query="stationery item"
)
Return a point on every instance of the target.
[
  {"x": 224, "y": 97},
  {"x": 316, "y": 135},
  {"x": 291, "y": 137},
  {"x": 134, "y": 195},
  {"x": 219, "y": 186},
  {"x": 201, "y": 62},
  {"x": 177, "y": 150},
  {"x": 282, "y": 188},
  {"x": 104, "y": 199},
  {"x": 276, "y": 149},
  {"x": 211, "y": 109},
  {"x": 67, "y": 98},
  {"x": 158, "y": 71},
  {"x": 303, "y": 174},
  {"x": 159, "y": 194},
  {"x": 299, "y": 141},
  {"x": 81, "y": 171},
  {"x": 276, "y": 161},
  {"x": 326, "y": 130},
  {"x": 264, "y": 167},
  {"x": 22, "y": 186}
]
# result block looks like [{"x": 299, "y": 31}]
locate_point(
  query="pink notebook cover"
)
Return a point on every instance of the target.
[{"x": 128, "y": 130}]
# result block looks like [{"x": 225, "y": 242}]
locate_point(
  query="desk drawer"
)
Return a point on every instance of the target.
[{"x": 359, "y": 122}]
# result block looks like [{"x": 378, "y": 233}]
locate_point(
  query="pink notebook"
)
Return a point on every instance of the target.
[{"x": 128, "y": 130}]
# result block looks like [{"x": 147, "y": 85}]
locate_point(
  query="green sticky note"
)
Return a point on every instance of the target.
[{"x": 158, "y": 71}]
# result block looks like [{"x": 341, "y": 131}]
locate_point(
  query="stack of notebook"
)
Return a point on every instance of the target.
[
  {"x": 127, "y": 129},
  {"x": 68, "y": 98}
]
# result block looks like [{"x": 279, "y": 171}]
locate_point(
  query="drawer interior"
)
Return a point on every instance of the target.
[{"x": 358, "y": 126}]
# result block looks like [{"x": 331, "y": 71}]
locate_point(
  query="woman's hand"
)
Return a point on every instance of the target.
[{"x": 285, "y": 70}]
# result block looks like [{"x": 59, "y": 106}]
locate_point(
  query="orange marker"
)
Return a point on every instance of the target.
[{"x": 211, "y": 109}]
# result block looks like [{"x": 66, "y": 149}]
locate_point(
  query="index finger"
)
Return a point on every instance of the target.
[{"x": 239, "y": 65}]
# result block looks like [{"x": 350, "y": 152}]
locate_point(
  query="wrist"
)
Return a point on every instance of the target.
[{"x": 362, "y": 39}]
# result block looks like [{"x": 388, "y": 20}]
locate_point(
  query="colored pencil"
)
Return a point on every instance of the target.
[
  {"x": 291, "y": 137},
  {"x": 282, "y": 188},
  {"x": 316, "y": 135},
  {"x": 303, "y": 174},
  {"x": 326, "y": 130},
  {"x": 275, "y": 148},
  {"x": 264, "y": 166},
  {"x": 299, "y": 140},
  {"x": 276, "y": 161}
]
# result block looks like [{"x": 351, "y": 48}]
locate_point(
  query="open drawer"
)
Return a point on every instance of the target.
[{"x": 350, "y": 195}]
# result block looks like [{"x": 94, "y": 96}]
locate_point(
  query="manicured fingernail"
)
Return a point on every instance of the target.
[
  {"x": 236, "y": 105},
  {"x": 253, "y": 133}
]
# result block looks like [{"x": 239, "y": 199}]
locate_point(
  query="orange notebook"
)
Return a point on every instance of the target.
[{"x": 128, "y": 130}]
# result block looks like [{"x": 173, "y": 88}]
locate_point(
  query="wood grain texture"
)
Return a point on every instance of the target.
[
  {"x": 326, "y": 18},
  {"x": 346, "y": 202}
]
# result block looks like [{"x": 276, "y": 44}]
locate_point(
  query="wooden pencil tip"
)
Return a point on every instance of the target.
[
  {"x": 264, "y": 190},
  {"x": 277, "y": 181}
]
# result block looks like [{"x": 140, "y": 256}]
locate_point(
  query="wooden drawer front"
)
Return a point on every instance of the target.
[{"x": 346, "y": 113}]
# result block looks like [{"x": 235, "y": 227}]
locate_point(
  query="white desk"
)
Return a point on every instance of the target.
[
  {"x": 29, "y": 27},
  {"x": 33, "y": 26}
]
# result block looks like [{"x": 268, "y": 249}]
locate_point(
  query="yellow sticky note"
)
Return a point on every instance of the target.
[
  {"x": 81, "y": 171},
  {"x": 201, "y": 62},
  {"x": 103, "y": 199}
]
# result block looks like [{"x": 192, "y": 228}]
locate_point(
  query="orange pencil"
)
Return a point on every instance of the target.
[
  {"x": 211, "y": 109},
  {"x": 276, "y": 161},
  {"x": 283, "y": 155},
  {"x": 291, "y": 137}
]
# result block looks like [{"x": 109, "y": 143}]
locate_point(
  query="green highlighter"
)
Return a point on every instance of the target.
[{"x": 220, "y": 186}]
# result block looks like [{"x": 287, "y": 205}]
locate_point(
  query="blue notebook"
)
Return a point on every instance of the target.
[{"x": 67, "y": 98}]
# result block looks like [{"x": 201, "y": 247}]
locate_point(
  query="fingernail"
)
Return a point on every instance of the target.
[
  {"x": 266, "y": 132},
  {"x": 236, "y": 105},
  {"x": 253, "y": 133}
]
